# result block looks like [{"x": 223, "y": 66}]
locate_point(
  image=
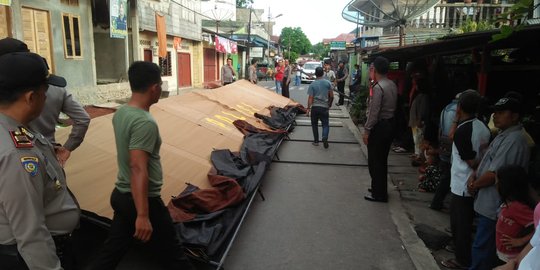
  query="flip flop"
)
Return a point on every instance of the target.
[
  {"x": 452, "y": 264},
  {"x": 399, "y": 149}
]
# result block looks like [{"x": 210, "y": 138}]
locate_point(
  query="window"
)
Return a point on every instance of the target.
[
  {"x": 71, "y": 2},
  {"x": 72, "y": 36},
  {"x": 166, "y": 65}
]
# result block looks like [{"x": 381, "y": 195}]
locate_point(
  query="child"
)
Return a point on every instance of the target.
[
  {"x": 515, "y": 225},
  {"x": 430, "y": 174}
]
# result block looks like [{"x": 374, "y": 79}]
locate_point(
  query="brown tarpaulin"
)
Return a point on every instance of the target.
[{"x": 191, "y": 125}]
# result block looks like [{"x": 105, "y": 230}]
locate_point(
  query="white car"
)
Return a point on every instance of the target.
[{"x": 309, "y": 69}]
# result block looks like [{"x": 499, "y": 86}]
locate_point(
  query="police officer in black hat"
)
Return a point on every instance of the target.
[{"x": 37, "y": 212}]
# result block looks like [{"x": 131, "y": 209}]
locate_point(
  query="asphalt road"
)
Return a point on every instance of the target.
[{"x": 314, "y": 215}]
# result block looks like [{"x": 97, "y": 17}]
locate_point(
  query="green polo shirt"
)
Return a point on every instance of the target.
[{"x": 136, "y": 129}]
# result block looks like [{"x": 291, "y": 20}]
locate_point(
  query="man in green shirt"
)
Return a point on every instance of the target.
[{"x": 139, "y": 212}]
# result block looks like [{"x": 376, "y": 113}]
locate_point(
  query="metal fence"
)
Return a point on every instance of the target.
[{"x": 455, "y": 14}]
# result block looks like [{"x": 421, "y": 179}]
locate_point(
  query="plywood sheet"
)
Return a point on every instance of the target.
[{"x": 191, "y": 127}]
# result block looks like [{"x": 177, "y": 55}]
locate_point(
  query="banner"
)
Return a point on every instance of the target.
[
  {"x": 224, "y": 45},
  {"x": 162, "y": 35},
  {"x": 5, "y": 2},
  {"x": 118, "y": 18}
]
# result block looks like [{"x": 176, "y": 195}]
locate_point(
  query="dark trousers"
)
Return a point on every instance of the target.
[
  {"x": 379, "y": 142},
  {"x": 285, "y": 87},
  {"x": 320, "y": 113},
  {"x": 341, "y": 91},
  {"x": 461, "y": 224},
  {"x": 11, "y": 259},
  {"x": 164, "y": 242},
  {"x": 444, "y": 185}
]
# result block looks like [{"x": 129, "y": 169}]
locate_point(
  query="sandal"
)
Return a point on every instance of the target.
[{"x": 452, "y": 264}]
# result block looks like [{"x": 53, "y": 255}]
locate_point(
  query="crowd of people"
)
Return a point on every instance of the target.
[{"x": 489, "y": 172}]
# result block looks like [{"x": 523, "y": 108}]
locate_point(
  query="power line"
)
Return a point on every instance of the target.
[
  {"x": 194, "y": 11},
  {"x": 213, "y": 19}
]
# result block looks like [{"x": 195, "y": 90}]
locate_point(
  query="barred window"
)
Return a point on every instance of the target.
[{"x": 165, "y": 63}]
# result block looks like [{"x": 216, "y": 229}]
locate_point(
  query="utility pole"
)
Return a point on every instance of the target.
[
  {"x": 289, "y": 51},
  {"x": 248, "y": 46},
  {"x": 268, "y": 41}
]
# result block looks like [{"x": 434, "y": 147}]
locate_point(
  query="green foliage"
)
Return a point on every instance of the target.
[
  {"x": 519, "y": 11},
  {"x": 320, "y": 50},
  {"x": 472, "y": 26},
  {"x": 296, "y": 40},
  {"x": 292, "y": 56},
  {"x": 359, "y": 106},
  {"x": 243, "y": 3}
]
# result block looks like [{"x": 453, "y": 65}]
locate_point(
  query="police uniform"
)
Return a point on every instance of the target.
[
  {"x": 35, "y": 204},
  {"x": 34, "y": 200}
]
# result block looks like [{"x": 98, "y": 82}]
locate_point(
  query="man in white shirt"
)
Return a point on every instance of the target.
[{"x": 470, "y": 138}]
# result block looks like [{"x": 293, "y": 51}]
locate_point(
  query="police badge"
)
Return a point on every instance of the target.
[{"x": 30, "y": 165}]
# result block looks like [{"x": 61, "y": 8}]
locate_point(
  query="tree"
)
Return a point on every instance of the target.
[
  {"x": 520, "y": 11},
  {"x": 295, "y": 42},
  {"x": 243, "y": 3},
  {"x": 320, "y": 50}
]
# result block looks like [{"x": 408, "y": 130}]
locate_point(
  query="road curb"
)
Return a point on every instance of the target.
[{"x": 419, "y": 254}]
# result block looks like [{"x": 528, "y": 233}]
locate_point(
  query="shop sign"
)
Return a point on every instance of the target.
[
  {"x": 337, "y": 45},
  {"x": 256, "y": 52}
]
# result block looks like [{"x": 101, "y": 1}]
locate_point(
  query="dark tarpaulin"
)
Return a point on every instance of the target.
[
  {"x": 280, "y": 118},
  {"x": 207, "y": 234}
]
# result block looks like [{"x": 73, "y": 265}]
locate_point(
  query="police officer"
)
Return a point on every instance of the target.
[
  {"x": 58, "y": 100},
  {"x": 379, "y": 129},
  {"x": 37, "y": 212}
]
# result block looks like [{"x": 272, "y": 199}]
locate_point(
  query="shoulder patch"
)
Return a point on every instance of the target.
[
  {"x": 30, "y": 165},
  {"x": 21, "y": 139}
]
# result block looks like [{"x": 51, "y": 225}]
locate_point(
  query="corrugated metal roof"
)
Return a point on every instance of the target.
[{"x": 529, "y": 36}]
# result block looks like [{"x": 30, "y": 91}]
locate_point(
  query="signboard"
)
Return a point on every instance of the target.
[
  {"x": 5, "y": 2},
  {"x": 256, "y": 52},
  {"x": 337, "y": 45},
  {"x": 118, "y": 20}
]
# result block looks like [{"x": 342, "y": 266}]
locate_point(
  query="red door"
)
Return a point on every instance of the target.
[
  {"x": 210, "y": 65},
  {"x": 148, "y": 55},
  {"x": 184, "y": 69}
]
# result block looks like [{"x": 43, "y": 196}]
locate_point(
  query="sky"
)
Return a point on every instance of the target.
[{"x": 318, "y": 19}]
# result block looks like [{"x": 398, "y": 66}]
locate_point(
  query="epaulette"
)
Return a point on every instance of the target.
[{"x": 22, "y": 138}]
